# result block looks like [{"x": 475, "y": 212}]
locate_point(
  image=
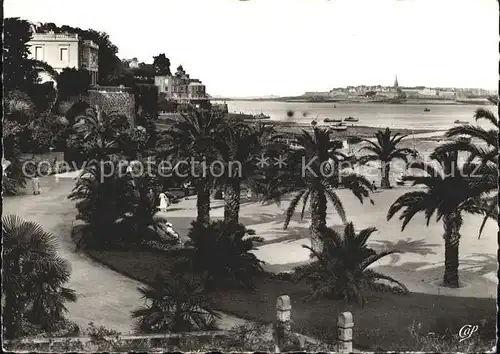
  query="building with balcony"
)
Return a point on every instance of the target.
[
  {"x": 65, "y": 50},
  {"x": 181, "y": 88}
]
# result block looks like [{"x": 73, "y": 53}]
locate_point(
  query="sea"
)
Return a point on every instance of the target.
[{"x": 410, "y": 116}]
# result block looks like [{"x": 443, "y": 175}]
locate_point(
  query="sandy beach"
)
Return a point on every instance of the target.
[{"x": 420, "y": 265}]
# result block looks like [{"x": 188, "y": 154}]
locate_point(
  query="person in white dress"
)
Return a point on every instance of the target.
[
  {"x": 163, "y": 202},
  {"x": 35, "y": 182}
]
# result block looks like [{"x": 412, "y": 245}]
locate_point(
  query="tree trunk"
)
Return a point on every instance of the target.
[
  {"x": 218, "y": 194},
  {"x": 384, "y": 172},
  {"x": 232, "y": 201},
  {"x": 318, "y": 220},
  {"x": 203, "y": 201},
  {"x": 451, "y": 243}
]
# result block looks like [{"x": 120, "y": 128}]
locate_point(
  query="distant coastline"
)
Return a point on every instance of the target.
[
  {"x": 287, "y": 127},
  {"x": 361, "y": 101}
]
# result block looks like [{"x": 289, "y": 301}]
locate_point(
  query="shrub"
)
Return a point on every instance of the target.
[
  {"x": 13, "y": 180},
  {"x": 256, "y": 338},
  {"x": 221, "y": 254},
  {"x": 19, "y": 107},
  {"x": 176, "y": 305},
  {"x": 340, "y": 270},
  {"x": 117, "y": 207},
  {"x": 97, "y": 333},
  {"x": 443, "y": 343},
  {"x": 447, "y": 327}
]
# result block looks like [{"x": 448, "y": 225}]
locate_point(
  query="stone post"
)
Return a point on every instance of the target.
[
  {"x": 283, "y": 324},
  {"x": 345, "y": 325}
]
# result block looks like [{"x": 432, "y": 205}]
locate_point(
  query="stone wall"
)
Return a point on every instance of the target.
[
  {"x": 140, "y": 343},
  {"x": 114, "y": 98}
]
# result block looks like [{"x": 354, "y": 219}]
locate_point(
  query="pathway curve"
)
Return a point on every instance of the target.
[{"x": 105, "y": 297}]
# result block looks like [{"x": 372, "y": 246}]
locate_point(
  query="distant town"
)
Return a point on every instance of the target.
[{"x": 392, "y": 94}]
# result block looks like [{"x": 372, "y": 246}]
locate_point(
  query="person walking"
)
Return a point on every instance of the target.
[{"x": 35, "y": 183}]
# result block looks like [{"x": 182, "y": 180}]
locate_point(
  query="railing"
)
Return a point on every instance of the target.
[{"x": 54, "y": 36}]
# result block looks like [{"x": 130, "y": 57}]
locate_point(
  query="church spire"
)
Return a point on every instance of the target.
[{"x": 396, "y": 85}]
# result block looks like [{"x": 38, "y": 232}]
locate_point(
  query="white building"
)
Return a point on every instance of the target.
[{"x": 65, "y": 50}]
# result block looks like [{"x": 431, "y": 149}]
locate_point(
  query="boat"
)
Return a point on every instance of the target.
[
  {"x": 351, "y": 119},
  {"x": 427, "y": 110},
  {"x": 261, "y": 116},
  {"x": 332, "y": 120},
  {"x": 461, "y": 122},
  {"x": 339, "y": 127}
]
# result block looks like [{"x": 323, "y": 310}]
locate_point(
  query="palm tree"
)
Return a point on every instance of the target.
[
  {"x": 450, "y": 191},
  {"x": 118, "y": 206},
  {"x": 385, "y": 150},
  {"x": 237, "y": 152},
  {"x": 33, "y": 275},
  {"x": 234, "y": 266},
  {"x": 177, "y": 305},
  {"x": 104, "y": 195},
  {"x": 269, "y": 146},
  {"x": 341, "y": 268},
  {"x": 315, "y": 174},
  {"x": 98, "y": 132},
  {"x": 484, "y": 148},
  {"x": 185, "y": 142},
  {"x": 47, "y": 308}
]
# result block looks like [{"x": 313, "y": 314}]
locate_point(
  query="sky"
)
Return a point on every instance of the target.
[{"x": 287, "y": 47}]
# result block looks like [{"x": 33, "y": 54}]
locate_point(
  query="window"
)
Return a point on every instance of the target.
[
  {"x": 39, "y": 53},
  {"x": 63, "y": 54}
]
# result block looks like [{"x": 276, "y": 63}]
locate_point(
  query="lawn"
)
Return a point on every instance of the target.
[{"x": 383, "y": 324}]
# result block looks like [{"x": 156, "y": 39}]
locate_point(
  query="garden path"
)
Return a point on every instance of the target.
[{"x": 105, "y": 297}]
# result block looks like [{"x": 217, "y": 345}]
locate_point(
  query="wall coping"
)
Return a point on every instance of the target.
[
  {"x": 86, "y": 339},
  {"x": 54, "y": 36}
]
